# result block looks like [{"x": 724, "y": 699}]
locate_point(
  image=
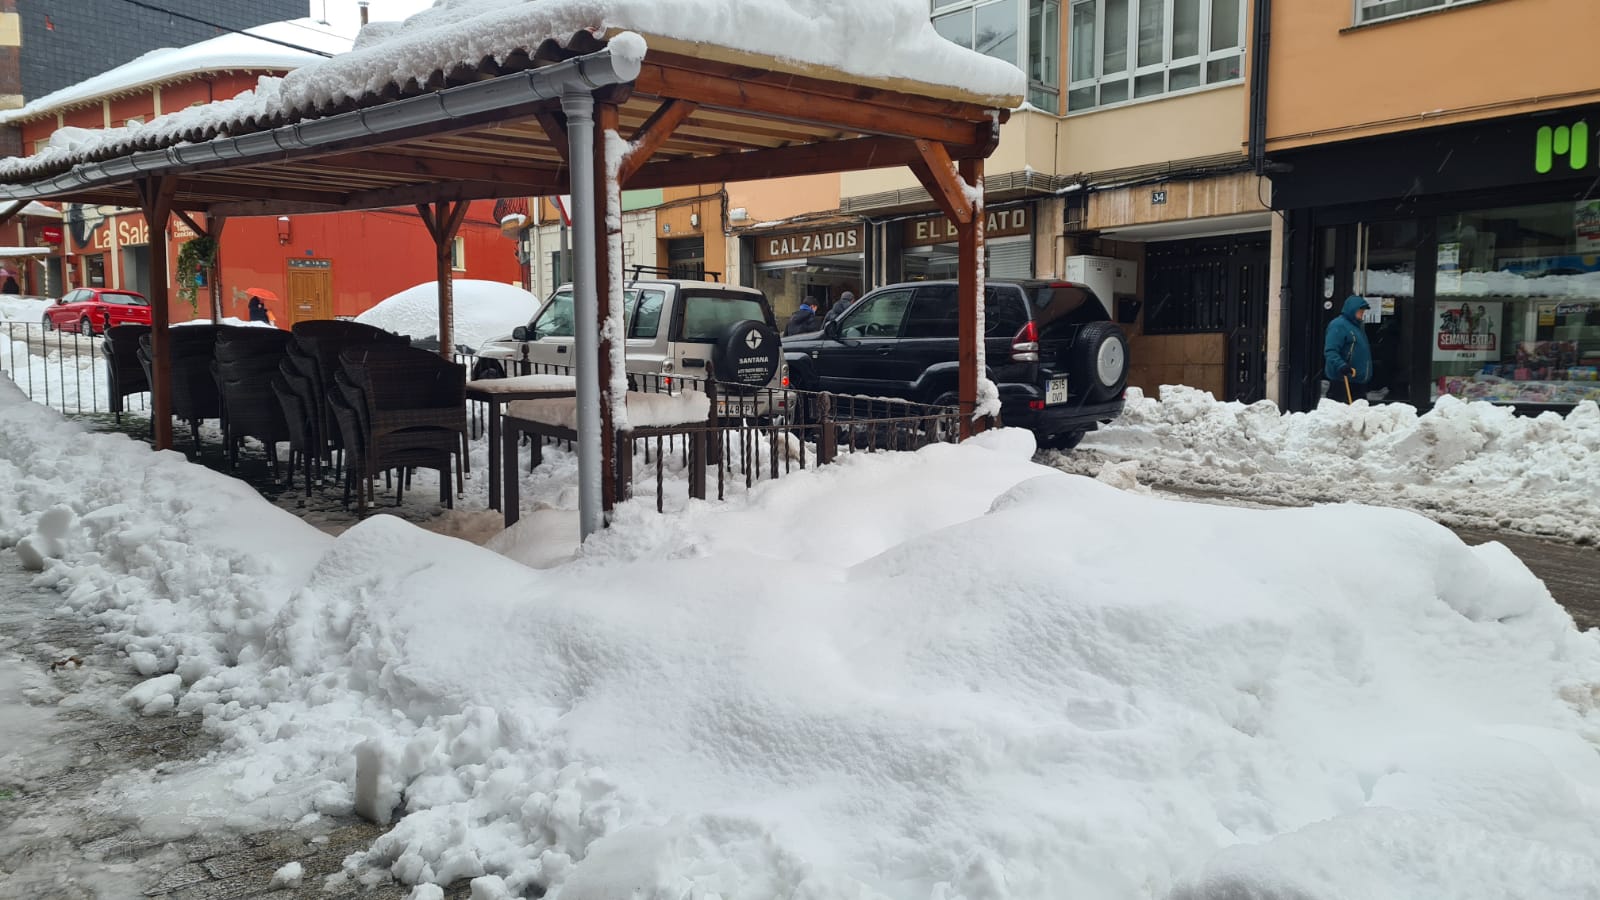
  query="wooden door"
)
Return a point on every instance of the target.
[{"x": 310, "y": 294}]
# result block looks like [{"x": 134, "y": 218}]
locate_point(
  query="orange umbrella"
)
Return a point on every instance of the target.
[{"x": 263, "y": 293}]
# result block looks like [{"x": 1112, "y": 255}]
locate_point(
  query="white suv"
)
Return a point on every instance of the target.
[{"x": 677, "y": 329}]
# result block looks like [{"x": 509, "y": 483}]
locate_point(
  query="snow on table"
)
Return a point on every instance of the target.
[
  {"x": 518, "y": 383},
  {"x": 645, "y": 410}
]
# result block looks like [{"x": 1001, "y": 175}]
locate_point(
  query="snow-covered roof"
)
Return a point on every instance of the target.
[
  {"x": 245, "y": 52},
  {"x": 886, "y": 43}
]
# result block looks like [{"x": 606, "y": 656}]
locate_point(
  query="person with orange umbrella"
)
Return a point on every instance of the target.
[{"x": 258, "y": 306}]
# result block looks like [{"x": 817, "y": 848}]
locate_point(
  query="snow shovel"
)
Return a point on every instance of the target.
[{"x": 1347, "y": 395}]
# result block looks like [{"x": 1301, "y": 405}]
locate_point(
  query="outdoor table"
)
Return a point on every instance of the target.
[
  {"x": 650, "y": 415},
  {"x": 497, "y": 391}
]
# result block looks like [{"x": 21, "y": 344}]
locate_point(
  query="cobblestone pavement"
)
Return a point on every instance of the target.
[{"x": 64, "y": 735}]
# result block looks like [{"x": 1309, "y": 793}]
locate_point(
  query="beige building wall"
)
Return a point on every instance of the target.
[
  {"x": 1333, "y": 82},
  {"x": 1225, "y": 195},
  {"x": 1187, "y": 126},
  {"x": 1028, "y": 140},
  {"x": 783, "y": 198}
]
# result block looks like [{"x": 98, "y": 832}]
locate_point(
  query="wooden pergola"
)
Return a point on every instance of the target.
[{"x": 691, "y": 114}]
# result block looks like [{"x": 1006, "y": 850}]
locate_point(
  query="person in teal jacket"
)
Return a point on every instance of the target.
[{"x": 1347, "y": 357}]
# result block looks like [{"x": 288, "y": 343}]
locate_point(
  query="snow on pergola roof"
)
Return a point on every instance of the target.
[
  {"x": 887, "y": 44},
  {"x": 234, "y": 52}
]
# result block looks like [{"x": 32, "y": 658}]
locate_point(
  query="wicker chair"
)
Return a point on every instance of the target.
[
  {"x": 315, "y": 352},
  {"x": 370, "y": 454},
  {"x": 246, "y": 361},
  {"x": 410, "y": 389},
  {"x": 194, "y": 390},
  {"x": 124, "y": 373},
  {"x": 295, "y": 421}
]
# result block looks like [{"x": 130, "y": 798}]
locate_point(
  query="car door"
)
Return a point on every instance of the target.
[
  {"x": 66, "y": 309},
  {"x": 932, "y": 333},
  {"x": 646, "y": 347},
  {"x": 861, "y": 359},
  {"x": 550, "y": 340}
]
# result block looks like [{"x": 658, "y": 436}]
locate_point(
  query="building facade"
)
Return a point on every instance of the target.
[
  {"x": 318, "y": 266},
  {"x": 1464, "y": 207}
]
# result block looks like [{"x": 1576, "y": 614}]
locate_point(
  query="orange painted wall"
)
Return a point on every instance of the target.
[
  {"x": 781, "y": 198},
  {"x": 1331, "y": 82}
]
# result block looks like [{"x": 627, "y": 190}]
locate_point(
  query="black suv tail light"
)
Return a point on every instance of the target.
[{"x": 1025, "y": 346}]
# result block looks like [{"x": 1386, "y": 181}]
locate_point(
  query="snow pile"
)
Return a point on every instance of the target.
[
  {"x": 945, "y": 674},
  {"x": 17, "y": 308},
  {"x": 287, "y": 876},
  {"x": 484, "y": 310},
  {"x": 1466, "y": 463}
]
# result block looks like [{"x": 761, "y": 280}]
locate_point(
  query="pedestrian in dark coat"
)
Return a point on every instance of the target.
[
  {"x": 846, "y": 300},
  {"x": 804, "y": 321},
  {"x": 1346, "y": 356}
]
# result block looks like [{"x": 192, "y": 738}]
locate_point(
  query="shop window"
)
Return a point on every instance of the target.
[
  {"x": 1377, "y": 10},
  {"x": 1516, "y": 312},
  {"x": 94, "y": 270},
  {"x": 1002, "y": 29},
  {"x": 1128, "y": 50}
]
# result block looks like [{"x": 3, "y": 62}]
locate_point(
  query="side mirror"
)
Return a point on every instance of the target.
[
  {"x": 830, "y": 329},
  {"x": 519, "y": 333}
]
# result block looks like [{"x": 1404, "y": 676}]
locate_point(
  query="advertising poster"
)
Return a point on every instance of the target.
[
  {"x": 1449, "y": 278},
  {"x": 1586, "y": 220},
  {"x": 1466, "y": 332}
]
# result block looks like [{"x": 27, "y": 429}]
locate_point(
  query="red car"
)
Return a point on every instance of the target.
[{"x": 93, "y": 310}]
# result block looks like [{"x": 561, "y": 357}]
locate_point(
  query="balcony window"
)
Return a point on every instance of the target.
[
  {"x": 1127, "y": 50},
  {"x": 1004, "y": 29},
  {"x": 1378, "y": 10}
]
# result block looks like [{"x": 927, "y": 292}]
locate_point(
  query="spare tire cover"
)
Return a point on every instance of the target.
[
  {"x": 1099, "y": 361},
  {"x": 747, "y": 353}
]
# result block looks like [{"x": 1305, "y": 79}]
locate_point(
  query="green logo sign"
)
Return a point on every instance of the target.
[{"x": 1571, "y": 142}]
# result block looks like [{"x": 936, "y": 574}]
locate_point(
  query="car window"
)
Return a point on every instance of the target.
[
  {"x": 555, "y": 320},
  {"x": 1059, "y": 307},
  {"x": 646, "y": 314},
  {"x": 123, "y": 298},
  {"x": 73, "y": 296},
  {"x": 1003, "y": 312},
  {"x": 879, "y": 315},
  {"x": 935, "y": 313},
  {"x": 707, "y": 316}
]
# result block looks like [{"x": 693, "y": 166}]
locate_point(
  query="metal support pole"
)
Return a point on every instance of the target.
[{"x": 579, "y": 108}]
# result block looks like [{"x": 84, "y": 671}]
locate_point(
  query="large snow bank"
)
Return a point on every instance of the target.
[
  {"x": 1465, "y": 463},
  {"x": 483, "y": 310},
  {"x": 948, "y": 674},
  {"x": 17, "y": 308}
]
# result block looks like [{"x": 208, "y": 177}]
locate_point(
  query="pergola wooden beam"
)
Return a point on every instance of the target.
[
  {"x": 422, "y": 167},
  {"x": 653, "y": 134},
  {"x": 801, "y": 159},
  {"x": 155, "y": 201},
  {"x": 937, "y": 172},
  {"x": 554, "y": 124},
  {"x": 443, "y": 220}
]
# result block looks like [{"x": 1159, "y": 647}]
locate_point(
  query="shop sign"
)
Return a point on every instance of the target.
[
  {"x": 50, "y": 234},
  {"x": 1586, "y": 220},
  {"x": 130, "y": 233},
  {"x": 1465, "y": 332},
  {"x": 799, "y": 245},
  {"x": 940, "y": 230},
  {"x": 1552, "y": 142}
]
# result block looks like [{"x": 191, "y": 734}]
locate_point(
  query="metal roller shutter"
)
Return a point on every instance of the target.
[{"x": 1011, "y": 258}]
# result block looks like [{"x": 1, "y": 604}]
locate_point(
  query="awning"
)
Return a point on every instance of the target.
[{"x": 6, "y": 252}]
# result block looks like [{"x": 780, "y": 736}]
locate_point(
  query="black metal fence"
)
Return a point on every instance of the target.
[{"x": 58, "y": 369}]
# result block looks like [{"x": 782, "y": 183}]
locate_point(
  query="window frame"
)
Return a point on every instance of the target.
[
  {"x": 458, "y": 254},
  {"x": 1132, "y": 72},
  {"x": 1438, "y": 6},
  {"x": 1038, "y": 89}
]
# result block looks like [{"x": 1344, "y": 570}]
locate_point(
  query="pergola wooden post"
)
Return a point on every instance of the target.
[
  {"x": 959, "y": 194},
  {"x": 213, "y": 230},
  {"x": 155, "y": 201},
  {"x": 443, "y": 220}
]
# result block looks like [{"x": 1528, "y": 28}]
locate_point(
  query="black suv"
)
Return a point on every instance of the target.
[{"x": 1060, "y": 362}]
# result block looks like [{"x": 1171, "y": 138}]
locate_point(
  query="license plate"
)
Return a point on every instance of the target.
[
  {"x": 1057, "y": 391},
  {"x": 739, "y": 408}
]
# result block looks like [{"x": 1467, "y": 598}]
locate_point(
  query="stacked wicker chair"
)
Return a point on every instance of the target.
[
  {"x": 404, "y": 408},
  {"x": 124, "y": 373},
  {"x": 314, "y": 356},
  {"x": 194, "y": 391},
  {"x": 246, "y": 361}
]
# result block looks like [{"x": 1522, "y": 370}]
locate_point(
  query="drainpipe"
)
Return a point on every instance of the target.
[
  {"x": 1261, "y": 48},
  {"x": 578, "y": 104}
]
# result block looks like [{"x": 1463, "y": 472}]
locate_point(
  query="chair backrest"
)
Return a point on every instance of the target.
[{"x": 405, "y": 377}]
